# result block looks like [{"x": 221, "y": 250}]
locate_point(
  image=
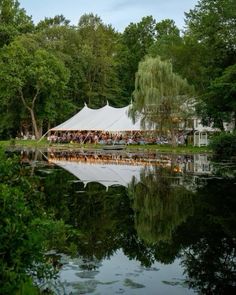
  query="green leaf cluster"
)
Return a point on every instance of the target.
[
  {"x": 224, "y": 146},
  {"x": 27, "y": 230}
]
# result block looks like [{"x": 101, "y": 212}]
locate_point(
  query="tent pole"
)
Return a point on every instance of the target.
[
  {"x": 115, "y": 140},
  {"x": 43, "y": 136},
  {"x": 88, "y": 133}
]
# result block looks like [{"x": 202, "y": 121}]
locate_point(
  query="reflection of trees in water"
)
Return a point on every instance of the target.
[
  {"x": 158, "y": 220},
  {"x": 210, "y": 260},
  {"x": 226, "y": 169},
  {"x": 198, "y": 227},
  {"x": 105, "y": 218},
  {"x": 210, "y": 266},
  {"x": 163, "y": 217},
  {"x": 159, "y": 204},
  {"x": 101, "y": 215}
]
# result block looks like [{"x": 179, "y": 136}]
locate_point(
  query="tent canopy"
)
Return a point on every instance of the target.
[{"x": 106, "y": 118}]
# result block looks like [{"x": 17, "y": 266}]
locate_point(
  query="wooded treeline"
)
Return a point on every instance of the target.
[{"x": 50, "y": 69}]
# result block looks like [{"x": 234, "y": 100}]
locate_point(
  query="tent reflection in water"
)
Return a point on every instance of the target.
[
  {"x": 106, "y": 118},
  {"x": 107, "y": 175}
]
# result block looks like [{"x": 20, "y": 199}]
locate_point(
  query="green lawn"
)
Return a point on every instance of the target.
[{"x": 155, "y": 147}]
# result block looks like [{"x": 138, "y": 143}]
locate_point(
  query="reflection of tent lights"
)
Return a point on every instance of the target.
[
  {"x": 177, "y": 169},
  {"x": 123, "y": 161},
  {"x": 112, "y": 158},
  {"x": 108, "y": 169}
]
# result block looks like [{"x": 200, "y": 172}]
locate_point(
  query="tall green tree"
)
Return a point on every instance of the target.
[
  {"x": 211, "y": 29},
  {"x": 99, "y": 63},
  {"x": 49, "y": 22},
  {"x": 13, "y": 21},
  {"x": 213, "y": 25},
  {"x": 135, "y": 43},
  {"x": 161, "y": 96},
  {"x": 31, "y": 75},
  {"x": 177, "y": 49},
  {"x": 64, "y": 41},
  {"x": 218, "y": 102},
  {"x": 167, "y": 39}
]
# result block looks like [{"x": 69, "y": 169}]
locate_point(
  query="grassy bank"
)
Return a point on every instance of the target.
[{"x": 160, "y": 148}]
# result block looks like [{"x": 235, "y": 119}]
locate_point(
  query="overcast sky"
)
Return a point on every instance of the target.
[{"x": 118, "y": 13}]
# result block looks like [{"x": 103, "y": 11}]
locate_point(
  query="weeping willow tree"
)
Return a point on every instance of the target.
[{"x": 163, "y": 98}]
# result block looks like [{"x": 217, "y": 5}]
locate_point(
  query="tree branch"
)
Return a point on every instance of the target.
[
  {"x": 23, "y": 99},
  {"x": 33, "y": 101},
  {"x": 35, "y": 97}
]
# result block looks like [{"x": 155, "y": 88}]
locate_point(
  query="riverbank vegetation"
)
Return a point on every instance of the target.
[
  {"x": 224, "y": 146},
  {"x": 27, "y": 230}
]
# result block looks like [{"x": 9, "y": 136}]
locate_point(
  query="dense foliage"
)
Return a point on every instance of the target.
[
  {"x": 224, "y": 146},
  {"x": 27, "y": 228},
  {"x": 50, "y": 69}
]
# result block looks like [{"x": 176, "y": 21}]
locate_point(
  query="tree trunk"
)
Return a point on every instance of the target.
[
  {"x": 31, "y": 110},
  {"x": 49, "y": 127},
  {"x": 173, "y": 138},
  {"x": 34, "y": 124},
  {"x": 221, "y": 125},
  {"x": 234, "y": 128},
  {"x": 40, "y": 129}
]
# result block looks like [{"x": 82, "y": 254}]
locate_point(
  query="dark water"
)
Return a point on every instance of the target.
[{"x": 150, "y": 224}]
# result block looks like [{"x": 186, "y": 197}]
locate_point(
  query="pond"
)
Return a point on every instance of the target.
[{"x": 149, "y": 223}]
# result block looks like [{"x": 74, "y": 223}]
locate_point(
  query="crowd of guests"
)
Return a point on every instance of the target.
[{"x": 106, "y": 138}]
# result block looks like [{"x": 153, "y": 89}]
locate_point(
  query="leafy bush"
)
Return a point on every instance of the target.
[
  {"x": 26, "y": 230},
  {"x": 21, "y": 246},
  {"x": 224, "y": 145}
]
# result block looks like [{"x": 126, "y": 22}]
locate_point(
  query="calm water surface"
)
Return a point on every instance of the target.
[{"x": 150, "y": 224}]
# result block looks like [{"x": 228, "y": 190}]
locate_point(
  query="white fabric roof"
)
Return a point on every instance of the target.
[
  {"x": 106, "y": 174},
  {"x": 106, "y": 118}
]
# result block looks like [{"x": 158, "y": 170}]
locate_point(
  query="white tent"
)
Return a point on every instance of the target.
[
  {"x": 106, "y": 118},
  {"x": 106, "y": 174}
]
